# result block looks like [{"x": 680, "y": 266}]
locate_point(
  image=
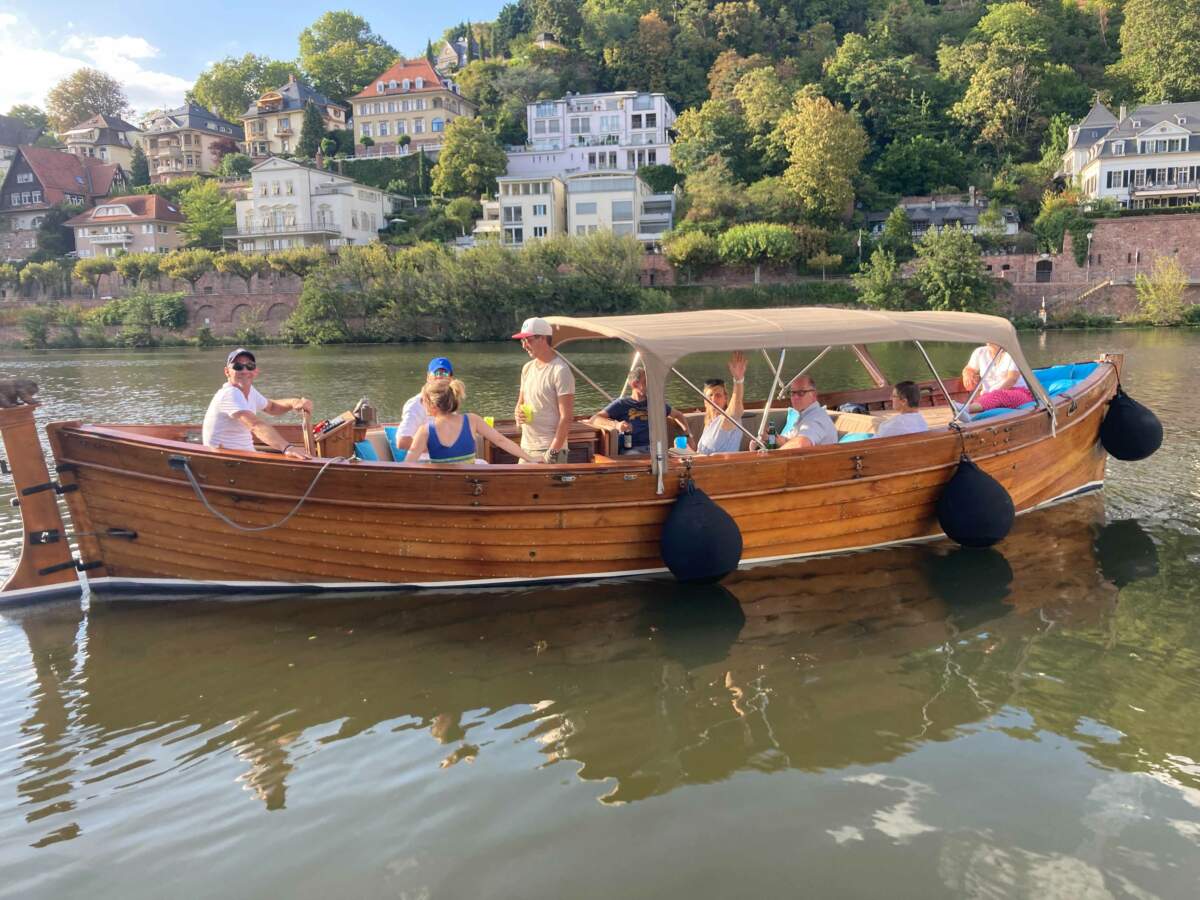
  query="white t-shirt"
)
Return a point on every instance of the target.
[
  {"x": 979, "y": 361},
  {"x": 905, "y": 423},
  {"x": 412, "y": 417},
  {"x": 541, "y": 386},
  {"x": 221, "y": 429}
]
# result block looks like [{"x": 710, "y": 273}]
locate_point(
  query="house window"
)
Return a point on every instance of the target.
[
  {"x": 262, "y": 189},
  {"x": 545, "y": 110},
  {"x": 383, "y": 129},
  {"x": 379, "y": 88},
  {"x": 585, "y": 209},
  {"x": 635, "y": 120},
  {"x": 511, "y": 214},
  {"x": 365, "y": 129},
  {"x": 418, "y": 126},
  {"x": 275, "y": 188},
  {"x": 420, "y": 83},
  {"x": 539, "y": 231},
  {"x": 391, "y": 107},
  {"x": 405, "y": 84},
  {"x": 622, "y": 211},
  {"x": 437, "y": 124},
  {"x": 24, "y": 178},
  {"x": 1118, "y": 148},
  {"x": 581, "y": 125},
  {"x": 651, "y": 120},
  {"x": 514, "y": 235},
  {"x": 291, "y": 188},
  {"x": 401, "y": 126},
  {"x": 539, "y": 209},
  {"x": 392, "y": 84}
]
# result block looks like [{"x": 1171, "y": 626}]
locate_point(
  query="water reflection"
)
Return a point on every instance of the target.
[{"x": 812, "y": 666}]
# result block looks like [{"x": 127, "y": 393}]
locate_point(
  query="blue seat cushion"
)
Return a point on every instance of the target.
[
  {"x": 1057, "y": 387},
  {"x": 390, "y": 431},
  {"x": 1081, "y": 371},
  {"x": 364, "y": 450},
  {"x": 1030, "y": 405},
  {"x": 789, "y": 423},
  {"x": 853, "y": 436},
  {"x": 1054, "y": 373},
  {"x": 990, "y": 414}
]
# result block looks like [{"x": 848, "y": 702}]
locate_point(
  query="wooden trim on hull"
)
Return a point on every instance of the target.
[
  {"x": 388, "y": 525},
  {"x": 158, "y": 589}
]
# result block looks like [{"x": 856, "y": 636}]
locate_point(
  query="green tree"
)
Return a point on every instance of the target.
[
  {"x": 1160, "y": 295},
  {"x": 298, "y": 261},
  {"x": 469, "y": 161},
  {"x": 716, "y": 129},
  {"x": 188, "y": 265},
  {"x": 824, "y": 261},
  {"x": 825, "y": 146},
  {"x": 1160, "y": 43},
  {"x": 36, "y": 324},
  {"x": 463, "y": 211},
  {"x": 230, "y": 85},
  {"x": 950, "y": 273},
  {"x": 756, "y": 244},
  {"x": 876, "y": 85},
  {"x": 139, "y": 168},
  {"x": 208, "y": 212},
  {"x": 83, "y": 94},
  {"x": 49, "y": 277},
  {"x": 340, "y": 54},
  {"x": 244, "y": 265},
  {"x": 771, "y": 199},
  {"x": 659, "y": 178},
  {"x": 560, "y": 17},
  {"x": 91, "y": 269},
  {"x": 991, "y": 230},
  {"x": 879, "y": 282},
  {"x": 312, "y": 131},
  {"x": 764, "y": 99},
  {"x": 693, "y": 252},
  {"x": 920, "y": 165},
  {"x": 642, "y": 61},
  {"x": 9, "y": 276},
  {"x": 137, "y": 268},
  {"x": 54, "y": 238},
  {"x": 29, "y": 114},
  {"x": 713, "y": 199},
  {"x": 896, "y": 238},
  {"x": 235, "y": 165}
]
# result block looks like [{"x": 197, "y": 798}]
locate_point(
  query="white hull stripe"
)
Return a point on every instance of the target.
[{"x": 162, "y": 588}]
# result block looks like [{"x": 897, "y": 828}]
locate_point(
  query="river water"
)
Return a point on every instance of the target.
[{"x": 915, "y": 722}]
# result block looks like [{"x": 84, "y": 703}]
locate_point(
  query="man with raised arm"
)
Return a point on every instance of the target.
[{"x": 232, "y": 421}]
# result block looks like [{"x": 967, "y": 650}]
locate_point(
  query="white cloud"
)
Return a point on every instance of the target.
[{"x": 32, "y": 63}]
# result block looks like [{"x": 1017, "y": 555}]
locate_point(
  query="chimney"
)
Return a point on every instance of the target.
[{"x": 1122, "y": 114}]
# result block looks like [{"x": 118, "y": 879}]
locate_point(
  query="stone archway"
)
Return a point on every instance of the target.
[
  {"x": 204, "y": 316},
  {"x": 239, "y": 312},
  {"x": 1043, "y": 271},
  {"x": 278, "y": 312}
]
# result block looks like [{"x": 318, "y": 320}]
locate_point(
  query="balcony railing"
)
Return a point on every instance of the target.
[
  {"x": 271, "y": 230},
  {"x": 283, "y": 130},
  {"x": 112, "y": 237},
  {"x": 1168, "y": 187}
]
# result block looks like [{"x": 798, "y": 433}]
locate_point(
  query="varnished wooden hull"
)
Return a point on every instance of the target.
[{"x": 383, "y": 524}]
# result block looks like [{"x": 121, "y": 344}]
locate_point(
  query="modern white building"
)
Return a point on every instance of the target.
[
  {"x": 622, "y": 131},
  {"x": 1149, "y": 157},
  {"x": 293, "y": 205},
  {"x": 531, "y": 208}
]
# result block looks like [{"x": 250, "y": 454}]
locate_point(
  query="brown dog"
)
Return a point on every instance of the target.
[{"x": 16, "y": 391}]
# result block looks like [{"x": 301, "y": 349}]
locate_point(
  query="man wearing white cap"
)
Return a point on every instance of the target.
[
  {"x": 232, "y": 422},
  {"x": 546, "y": 403}
]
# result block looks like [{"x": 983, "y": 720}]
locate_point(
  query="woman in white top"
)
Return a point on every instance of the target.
[
  {"x": 1003, "y": 386},
  {"x": 721, "y": 435}
]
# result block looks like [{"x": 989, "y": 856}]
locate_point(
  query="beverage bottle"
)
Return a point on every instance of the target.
[
  {"x": 772, "y": 439},
  {"x": 627, "y": 440}
]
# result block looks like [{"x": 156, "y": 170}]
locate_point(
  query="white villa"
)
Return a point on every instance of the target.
[
  {"x": 529, "y": 208},
  {"x": 293, "y": 205},
  {"x": 1149, "y": 157},
  {"x": 622, "y": 130}
]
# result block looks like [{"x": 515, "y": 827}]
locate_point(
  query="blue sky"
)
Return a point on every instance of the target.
[{"x": 157, "y": 49}]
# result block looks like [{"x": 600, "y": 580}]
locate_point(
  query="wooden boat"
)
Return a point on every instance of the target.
[{"x": 143, "y": 500}]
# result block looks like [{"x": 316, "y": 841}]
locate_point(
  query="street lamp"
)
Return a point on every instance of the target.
[{"x": 1089, "y": 265}]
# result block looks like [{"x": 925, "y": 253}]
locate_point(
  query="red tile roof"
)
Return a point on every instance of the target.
[
  {"x": 412, "y": 69},
  {"x": 144, "y": 207},
  {"x": 65, "y": 173}
]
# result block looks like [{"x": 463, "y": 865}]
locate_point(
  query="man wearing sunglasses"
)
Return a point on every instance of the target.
[
  {"x": 814, "y": 426},
  {"x": 232, "y": 421},
  {"x": 413, "y": 416}
]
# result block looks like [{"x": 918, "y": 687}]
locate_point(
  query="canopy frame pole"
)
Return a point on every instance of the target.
[
  {"x": 938, "y": 378},
  {"x": 742, "y": 428},
  {"x": 816, "y": 359},
  {"x": 582, "y": 374},
  {"x": 762, "y": 426},
  {"x": 637, "y": 357}
]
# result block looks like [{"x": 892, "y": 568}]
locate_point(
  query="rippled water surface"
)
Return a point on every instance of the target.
[{"x": 915, "y": 722}]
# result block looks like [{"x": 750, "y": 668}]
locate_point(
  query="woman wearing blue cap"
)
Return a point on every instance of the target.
[{"x": 414, "y": 415}]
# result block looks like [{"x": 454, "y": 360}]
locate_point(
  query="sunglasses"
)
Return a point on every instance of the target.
[
  {"x": 442, "y": 373},
  {"x": 796, "y": 393},
  {"x": 243, "y": 367}
]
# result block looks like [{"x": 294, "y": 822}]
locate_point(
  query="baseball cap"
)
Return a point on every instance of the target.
[
  {"x": 440, "y": 362},
  {"x": 240, "y": 351},
  {"x": 533, "y": 326}
]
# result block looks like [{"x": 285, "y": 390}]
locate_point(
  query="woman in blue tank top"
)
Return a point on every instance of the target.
[{"x": 449, "y": 436}]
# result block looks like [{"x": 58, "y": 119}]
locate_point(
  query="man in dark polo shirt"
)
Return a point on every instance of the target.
[{"x": 628, "y": 415}]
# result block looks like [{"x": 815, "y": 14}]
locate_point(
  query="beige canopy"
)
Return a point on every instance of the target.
[{"x": 664, "y": 339}]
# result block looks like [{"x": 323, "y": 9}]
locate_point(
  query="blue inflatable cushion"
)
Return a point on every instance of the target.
[
  {"x": 1054, "y": 373},
  {"x": 390, "y": 431},
  {"x": 853, "y": 436},
  {"x": 364, "y": 450},
  {"x": 1057, "y": 387},
  {"x": 1081, "y": 371},
  {"x": 990, "y": 414}
]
